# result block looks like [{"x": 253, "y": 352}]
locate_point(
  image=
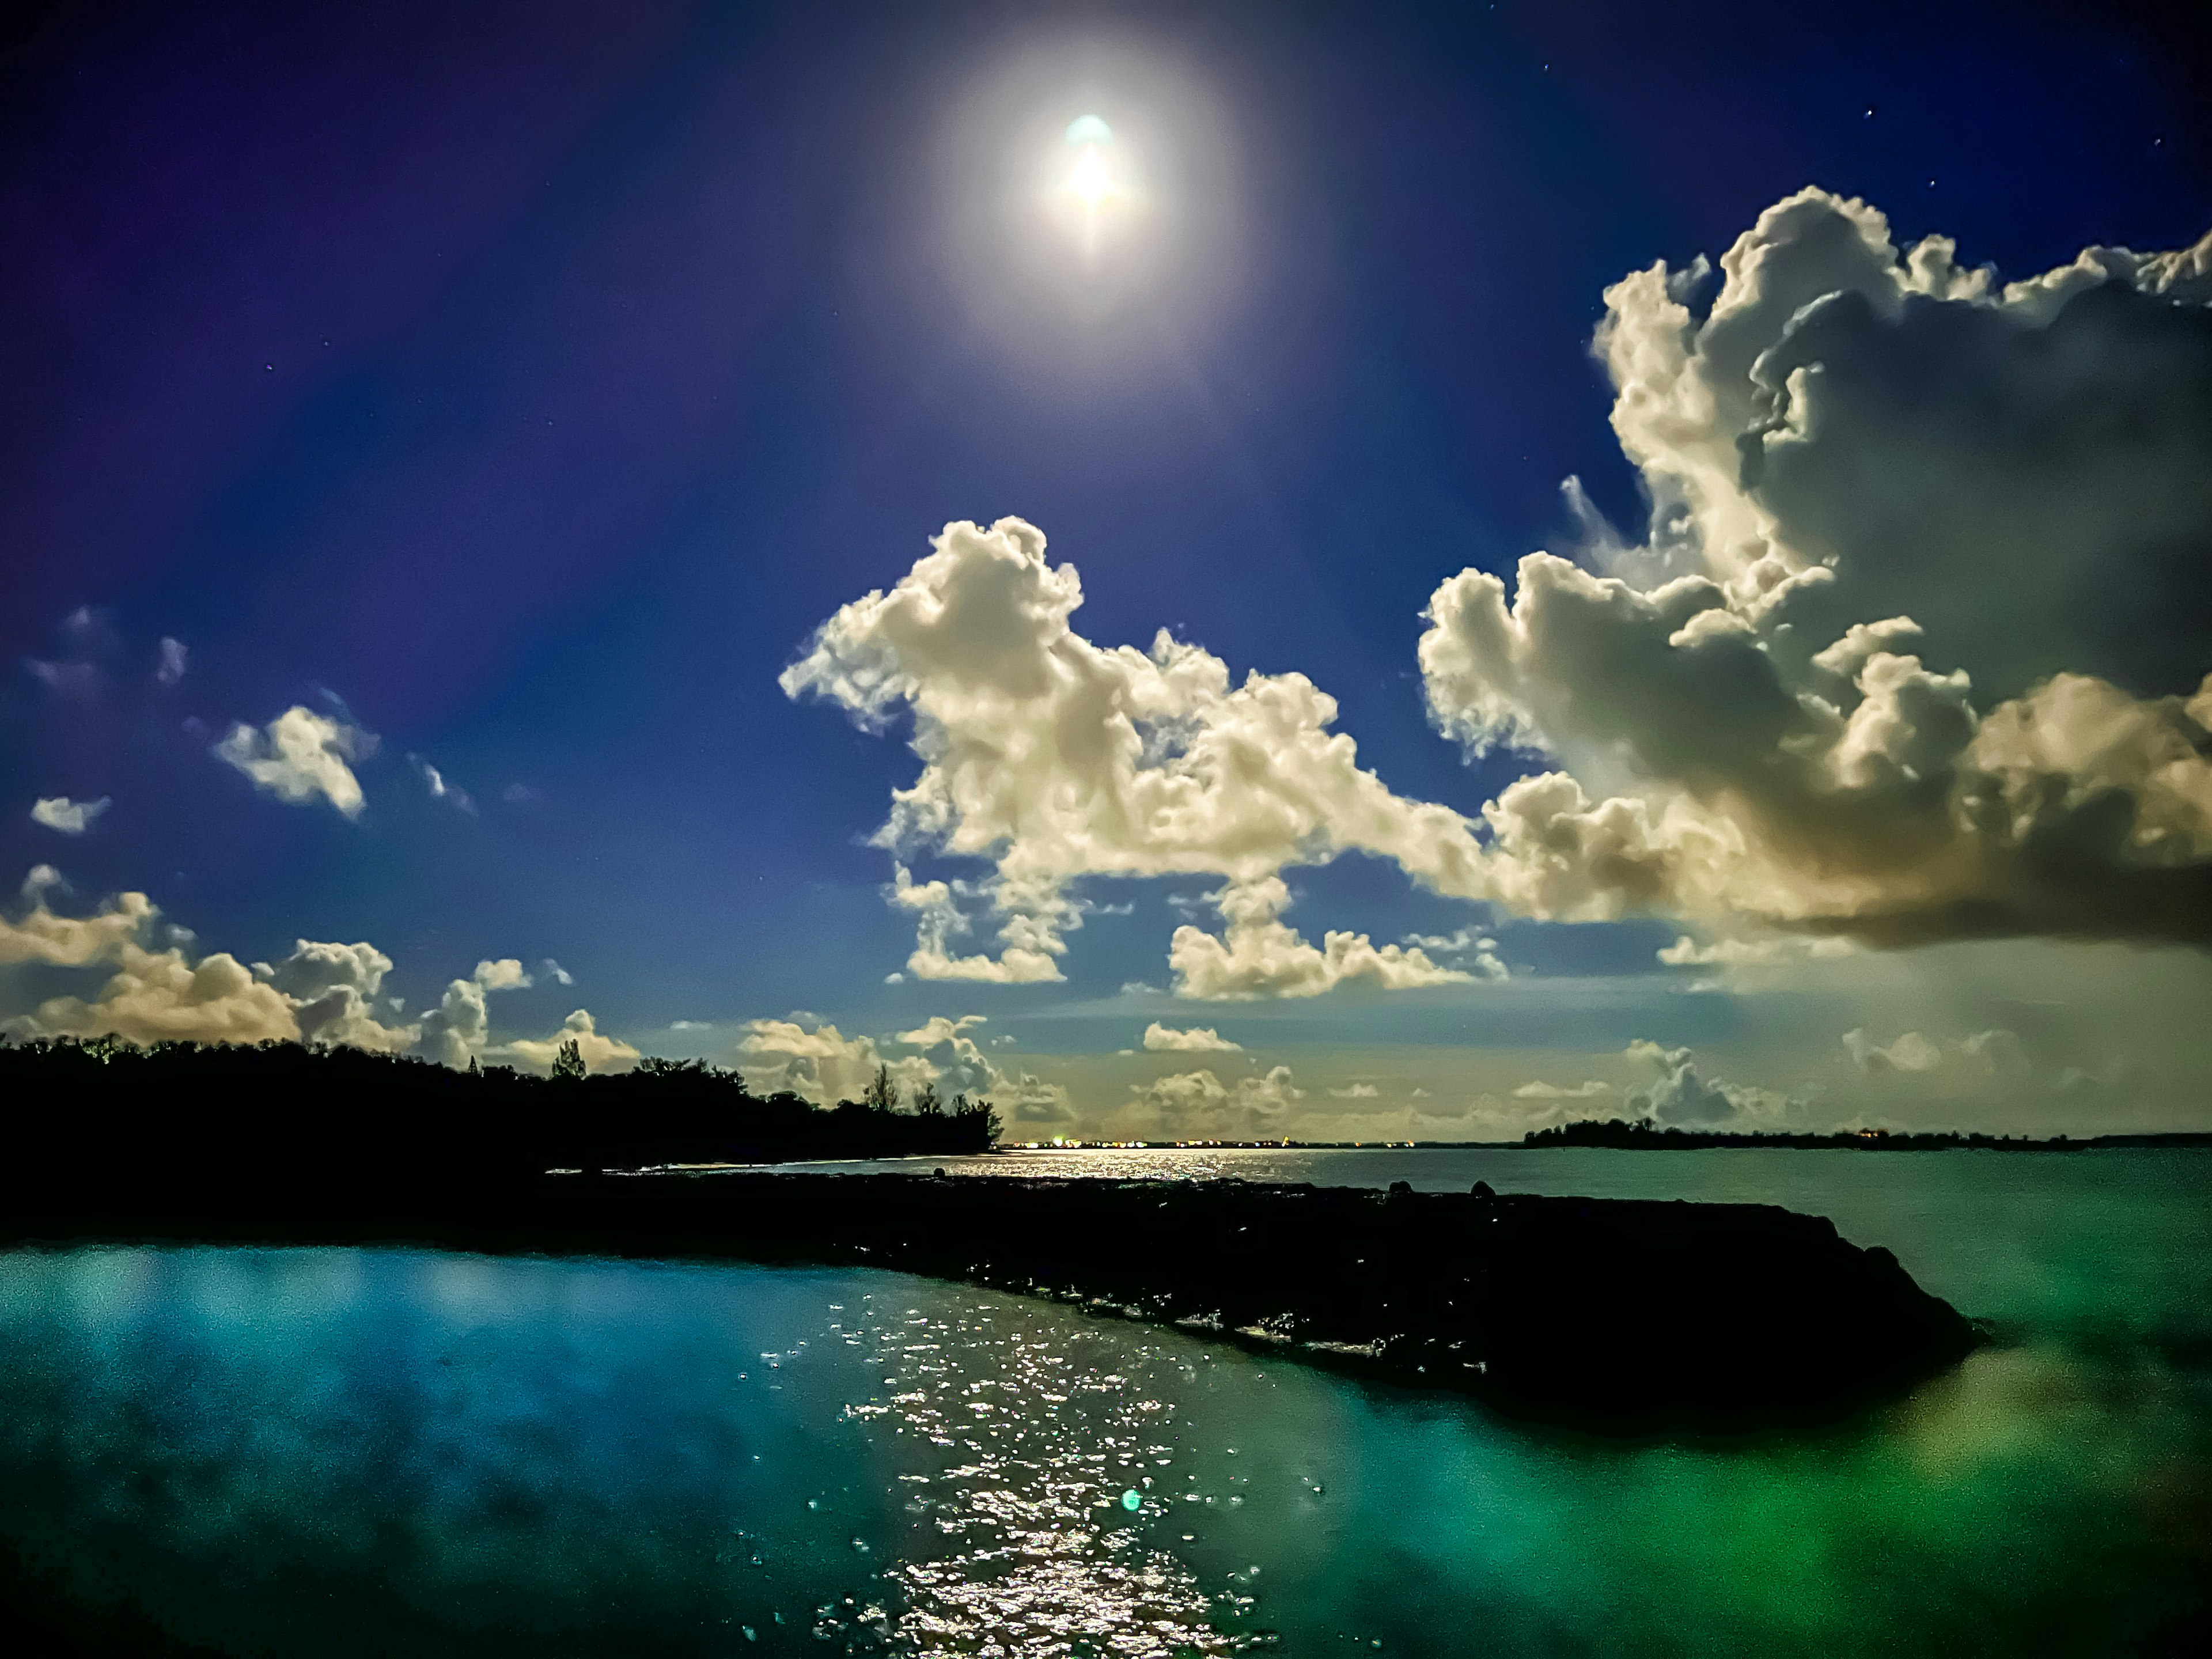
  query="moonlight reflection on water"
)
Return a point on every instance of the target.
[{"x": 1021, "y": 1449}]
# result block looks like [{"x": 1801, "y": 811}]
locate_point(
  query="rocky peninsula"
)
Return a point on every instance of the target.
[{"x": 1617, "y": 1315}]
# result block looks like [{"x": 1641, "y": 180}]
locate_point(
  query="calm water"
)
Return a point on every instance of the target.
[{"x": 356, "y": 1452}]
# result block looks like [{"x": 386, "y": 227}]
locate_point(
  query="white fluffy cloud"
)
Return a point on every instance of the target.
[
  {"x": 1588, "y": 1089},
  {"x": 959, "y": 1066},
  {"x": 151, "y": 995},
  {"x": 71, "y": 941},
  {"x": 301, "y": 757},
  {"x": 1915, "y": 646},
  {"x": 1058, "y": 759},
  {"x": 1679, "y": 1096},
  {"x": 1765, "y": 951},
  {"x": 1958, "y": 1064},
  {"x": 1200, "y": 1106},
  {"x": 822, "y": 1064},
  {"x": 69, "y": 818},
  {"x": 459, "y": 1027},
  {"x": 599, "y": 1053},
  {"x": 173, "y": 657},
  {"x": 1469, "y": 949},
  {"x": 333, "y": 990},
  {"x": 325, "y": 995},
  {"x": 156, "y": 996},
  {"x": 1199, "y": 1039},
  {"x": 505, "y": 974},
  {"x": 1257, "y": 955},
  {"x": 320, "y": 994}
]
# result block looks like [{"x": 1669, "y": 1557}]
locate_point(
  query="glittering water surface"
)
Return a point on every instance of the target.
[{"x": 341, "y": 1452}]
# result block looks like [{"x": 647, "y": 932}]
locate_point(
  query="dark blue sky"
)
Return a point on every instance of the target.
[{"x": 535, "y": 378}]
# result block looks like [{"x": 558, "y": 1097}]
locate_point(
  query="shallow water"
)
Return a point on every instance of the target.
[{"x": 340, "y": 1452}]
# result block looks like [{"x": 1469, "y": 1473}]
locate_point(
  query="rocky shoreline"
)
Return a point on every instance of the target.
[{"x": 1614, "y": 1315}]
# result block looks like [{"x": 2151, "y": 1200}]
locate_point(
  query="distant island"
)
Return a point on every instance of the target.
[{"x": 1643, "y": 1135}]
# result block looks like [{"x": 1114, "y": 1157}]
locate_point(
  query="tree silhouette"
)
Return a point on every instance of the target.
[
  {"x": 927, "y": 1102},
  {"x": 882, "y": 1095},
  {"x": 436, "y": 1126}
]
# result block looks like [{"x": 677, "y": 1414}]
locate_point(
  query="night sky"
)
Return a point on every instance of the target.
[{"x": 517, "y": 390}]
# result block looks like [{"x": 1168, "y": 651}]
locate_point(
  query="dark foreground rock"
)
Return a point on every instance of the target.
[{"x": 1620, "y": 1316}]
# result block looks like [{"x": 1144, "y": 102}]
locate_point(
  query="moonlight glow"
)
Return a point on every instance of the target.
[{"x": 1093, "y": 184}]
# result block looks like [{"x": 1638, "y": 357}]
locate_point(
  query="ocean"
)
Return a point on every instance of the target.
[{"x": 340, "y": 1451}]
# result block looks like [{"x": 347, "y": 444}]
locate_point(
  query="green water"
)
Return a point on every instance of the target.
[{"x": 343, "y": 1452}]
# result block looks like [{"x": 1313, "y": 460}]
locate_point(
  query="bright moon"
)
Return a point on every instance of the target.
[{"x": 1090, "y": 182}]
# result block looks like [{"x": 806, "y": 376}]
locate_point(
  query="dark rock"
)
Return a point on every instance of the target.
[{"x": 1618, "y": 1316}]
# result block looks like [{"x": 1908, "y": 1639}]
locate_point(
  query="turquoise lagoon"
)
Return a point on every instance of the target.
[{"x": 340, "y": 1452}]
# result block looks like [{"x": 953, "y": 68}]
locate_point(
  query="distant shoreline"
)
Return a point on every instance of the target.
[{"x": 1660, "y": 1140}]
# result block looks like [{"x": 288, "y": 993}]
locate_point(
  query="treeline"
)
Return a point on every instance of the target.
[
  {"x": 1641, "y": 1134},
  {"x": 191, "y": 1112}
]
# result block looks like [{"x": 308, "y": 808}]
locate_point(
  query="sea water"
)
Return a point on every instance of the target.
[{"x": 369, "y": 1451}]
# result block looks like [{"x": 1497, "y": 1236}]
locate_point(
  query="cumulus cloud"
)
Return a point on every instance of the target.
[
  {"x": 599, "y": 1053},
  {"x": 1764, "y": 951},
  {"x": 1469, "y": 949},
  {"x": 554, "y": 971},
  {"x": 1915, "y": 646},
  {"x": 817, "y": 1061},
  {"x": 69, "y": 818},
  {"x": 156, "y": 996},
  {"x": 1199, "y": 1106},
  {"x": 1680, "y": 1095},
  {"x": 457, "y": 1031},
  {"x": 151, "y": 995},
  {"x": 1960, "y": 1063},
  {"x": 1356, "y": 1091},
  {"x": 822, "y": 1065},
  {"x": 333, "y": 989},
  {"x": 1198, "y": 1039},
  {"x": 71, "y": 941},
  {"x": 171, "y": 667},
  {"x": 958, "y": 1065},
  {"x": 1057, "y": 759},
  {"x": 1588, "y": 1089},
  {"x": 320, "y": 994},
  {"x": 1032, "y": 1103},
  {"x": 301, "y": 757},
  {"x": 1258, "y": 956}
]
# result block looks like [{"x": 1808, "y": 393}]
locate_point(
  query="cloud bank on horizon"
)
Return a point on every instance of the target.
[
  {"x": 1912, "y": 650},
  {"x": 324, "y": 994}
]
